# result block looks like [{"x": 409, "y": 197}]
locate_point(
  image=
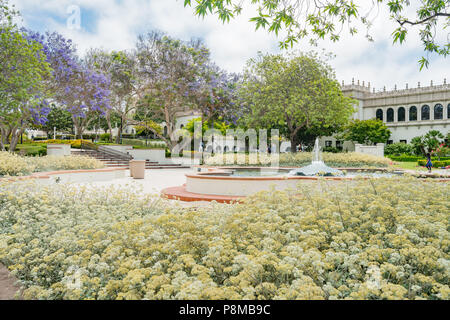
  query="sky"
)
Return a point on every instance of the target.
[{"x": 115, "y": 25}]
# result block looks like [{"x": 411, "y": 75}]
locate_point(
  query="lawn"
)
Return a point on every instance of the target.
[{"x": 408, "y": 166}]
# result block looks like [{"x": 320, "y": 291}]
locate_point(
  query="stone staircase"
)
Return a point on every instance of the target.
[{"x": 112, "y": 161}]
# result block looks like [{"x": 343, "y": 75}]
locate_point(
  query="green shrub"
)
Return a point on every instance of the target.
[
  {"x": 331, "y": 150},
  {"x": 404, "y": 158},
  {"x": 408, "y": 158},
  {"x": 399, "y": 149},
  {"x": 106, "y": 137},
  {"x": 75, "y": 144},
  {"x": 66, "y": 137},
  {"x": 30, "y": 150},
  {"x": 91, "y": 137}
]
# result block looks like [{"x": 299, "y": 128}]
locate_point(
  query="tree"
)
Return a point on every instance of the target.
[
  {"x": 220, "y": 126},
  {"x": 433, "y": 139},
  {"x": 328, "y": 18},
  {"x": 58, "y": 118},
  {"x": 7, "y": 14},
  {"x": 418, "y": 146},
  {"x": 293, "y": 93},
  {"x": 23, "y": 72},
  {"x": 81, "y": 90},
  {"x": 308, "y": 137},
  {"x": 368, "y": 132},
  {"x": 428, "y": 143},
  {"x": 216, "y": 95},
  {"x": 170, "y": 70},
  {"x": 111, "y": 120},
  {"x": 121, "y": 67}
]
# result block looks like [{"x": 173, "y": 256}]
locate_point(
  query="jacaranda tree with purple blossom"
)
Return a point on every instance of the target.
[
  {"x": 170, "y": 72},
  {"x": 24, "y": 72},
  {"x": 121, "y": 67},
  {"x": 81, "y": 90},
  {"x": 216, "y": 95}
]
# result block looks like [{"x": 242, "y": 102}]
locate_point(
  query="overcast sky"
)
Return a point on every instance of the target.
[{"x": 115, "y": 24}]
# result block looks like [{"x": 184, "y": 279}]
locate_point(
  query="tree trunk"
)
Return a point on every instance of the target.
[
  {"x": 119, "y": 134},
  {"x": 2, "y": 139},
  {"x": 293, "y": 145},
  {"x": 78, "y": 125},
  {"x": 108, "y": 120},
  {"x": 79, "y": 130},
  {"x": 15, "y": 136}
]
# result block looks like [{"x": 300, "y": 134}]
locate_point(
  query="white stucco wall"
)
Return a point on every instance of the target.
[
  {"x": 123, "y": 149},
  {"x": 58, "y": 149},
  {"x": 153, "y": 155},
  {"x": 377, "y": 150}
]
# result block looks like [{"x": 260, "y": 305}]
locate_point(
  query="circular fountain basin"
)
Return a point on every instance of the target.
[{"x": 243, "y": 182}]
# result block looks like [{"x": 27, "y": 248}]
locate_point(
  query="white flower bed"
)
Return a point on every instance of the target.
[
  {"x": 343, "y": 160},
  {"x": 14, "y": 165},
  {"x": 377, "y": 239}
]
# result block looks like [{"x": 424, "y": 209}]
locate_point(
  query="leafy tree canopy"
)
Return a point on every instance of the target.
[
  {"x": 366, "y": 132},
  {"x": 7, "y": 14},
  {"x": 206, "y": 125},
  {"x": 58, "y": 118},
  {"x": 23, "y": 71},
  {"x": 293, "y": 93},
  {"x": 329, "y": 18}
]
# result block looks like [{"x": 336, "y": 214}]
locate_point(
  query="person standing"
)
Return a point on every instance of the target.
[{"x": 429, "y": 163}]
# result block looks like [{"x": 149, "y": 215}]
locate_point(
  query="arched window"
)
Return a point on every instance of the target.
[
  {"x": 380, "y": 114},
  {"x": 448, "y": 111},
  {"x": 401, "y": 114},
  {"x": 165, "y": 131},
  {"x": 438, "y": 112},
  {"x": 390, "y": 115},
  {"x": 425, "y": 112},
  {"x": 413, "y": 113}
]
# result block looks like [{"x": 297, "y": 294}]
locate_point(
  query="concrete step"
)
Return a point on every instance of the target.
[{"x": 112, "y": 162}]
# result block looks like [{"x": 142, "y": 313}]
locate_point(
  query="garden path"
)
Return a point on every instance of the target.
[{"x": 8, "y": 287}]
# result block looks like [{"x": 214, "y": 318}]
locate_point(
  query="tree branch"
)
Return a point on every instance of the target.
[{"x": 437, "y": 14}]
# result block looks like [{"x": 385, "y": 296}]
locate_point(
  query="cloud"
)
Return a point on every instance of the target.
[{"x": 116, "y": 24}]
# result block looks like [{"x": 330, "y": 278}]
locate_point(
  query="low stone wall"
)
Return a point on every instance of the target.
[
  {"x": 123, "y": 149},
  {"x": 58, "y": 149},
  {"x": 153, "y": 155},
  {"x": 377, "y": 150},
  {"x": 74, "y": 176}
]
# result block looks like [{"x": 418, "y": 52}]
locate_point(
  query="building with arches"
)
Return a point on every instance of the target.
[{"x": 408, "y": 112}]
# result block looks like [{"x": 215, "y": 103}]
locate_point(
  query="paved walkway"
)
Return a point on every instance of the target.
[
  {"x": 154, "y": 182},
  {"x": 8, "y": 286}
]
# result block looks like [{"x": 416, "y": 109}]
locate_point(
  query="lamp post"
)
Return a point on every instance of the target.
[{"x": 121, "y": 129}]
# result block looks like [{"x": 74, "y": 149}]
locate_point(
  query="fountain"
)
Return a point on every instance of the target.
[
  {"x": 317, "y": 167},
  {"x": 228, "y": 184}
]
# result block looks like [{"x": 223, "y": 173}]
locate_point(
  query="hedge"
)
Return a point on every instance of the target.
[
  {"x": 436, "y": 164},
  {"x": 404, "y": 158},
  {"x": 409, "y": 158}
]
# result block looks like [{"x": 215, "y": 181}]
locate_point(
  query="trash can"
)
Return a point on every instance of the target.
[
  {"x": 137, "y": 169},
  {"x": 130, "y": 163}
]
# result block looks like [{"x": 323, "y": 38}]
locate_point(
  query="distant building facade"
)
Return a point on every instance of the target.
[{"x": 408, "y": 112}]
